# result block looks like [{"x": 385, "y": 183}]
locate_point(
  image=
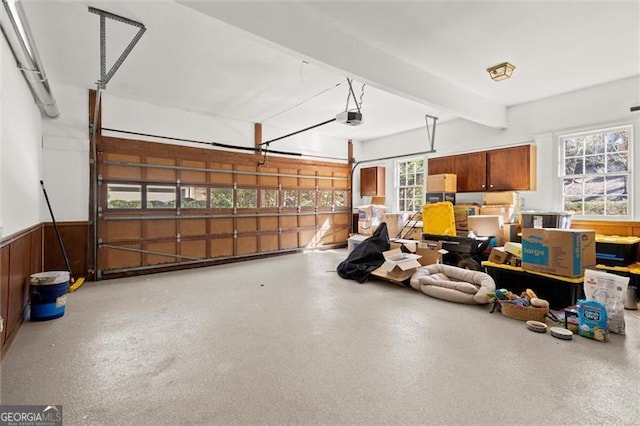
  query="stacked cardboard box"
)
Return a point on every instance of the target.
[
  {"x": 440, "y": 188},
  {"x": 565, "y": 252}
]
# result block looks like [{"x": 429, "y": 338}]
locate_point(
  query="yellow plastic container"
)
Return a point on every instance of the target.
[{"x": 438, "y": 218}]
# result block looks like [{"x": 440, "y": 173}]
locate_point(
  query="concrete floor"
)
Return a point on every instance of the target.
[{"x": 285, "y": 340}]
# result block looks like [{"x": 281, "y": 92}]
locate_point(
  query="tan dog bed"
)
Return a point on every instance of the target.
[{"x": 453, "y": 284}]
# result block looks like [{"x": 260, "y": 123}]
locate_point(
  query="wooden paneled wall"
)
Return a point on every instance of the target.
[
  {"x": 75, "y": 237},
  {"x": 21, "y": 255}
]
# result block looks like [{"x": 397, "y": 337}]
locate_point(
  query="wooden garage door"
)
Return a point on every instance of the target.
[{"x": 167, "y": 206}]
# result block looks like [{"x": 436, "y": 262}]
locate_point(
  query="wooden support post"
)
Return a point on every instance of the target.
[
  {"x": 257, "y": 137},
  {"x": 350, "y": 152}
]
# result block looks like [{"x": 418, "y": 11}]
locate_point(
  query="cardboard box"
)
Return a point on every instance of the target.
[
  {"x": 513, "y": 248},
  {"x": 438, "y": 197},
  {"x": 510, "y": 232},
  {"x": 395, "y": 222},
  {"x": 499, "y": 255},
  {"x": 405, "y": 245},
  {"x": 398, "y": 266},
  {"x": 565, "y": 252},
  {"x": 486, "y": 226},
  {"x": 461, "y": 214},
  {"x": 507, "y": 212},
  {"x": 366, "y": 228},
  {"x": 430, "y": 252},
  {"x": 500, "y": 198},
  {"x": 354, "y": 241},
  {"x": 372, "y": 212},
  {"x": 442, "y": 183}
]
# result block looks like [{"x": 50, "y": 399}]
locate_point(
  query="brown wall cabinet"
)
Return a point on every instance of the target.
[
  {"x": 505, "y": 169},
  {"x": 372, "y": 182}
]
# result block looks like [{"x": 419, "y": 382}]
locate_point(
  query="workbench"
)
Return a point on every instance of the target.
[{"x": 559, "y": 291}]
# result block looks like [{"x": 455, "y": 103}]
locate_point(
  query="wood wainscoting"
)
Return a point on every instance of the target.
[
  {"x": 21, "y": 255},
  {"x": 75, "y": 237}
]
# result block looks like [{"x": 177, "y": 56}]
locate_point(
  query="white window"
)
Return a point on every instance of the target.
[
  {"x": 596, "y": 172},
  {"x": 410, "y": 185}
]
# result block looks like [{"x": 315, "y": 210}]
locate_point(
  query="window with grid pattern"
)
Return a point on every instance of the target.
[
  {"x": 410, "y": 185},
  {"x": 596, "y": 172}
]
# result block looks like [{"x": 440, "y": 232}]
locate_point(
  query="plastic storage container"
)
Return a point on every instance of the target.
[
  {"x": 545, "y": 219},
  {"x": 612, "y": 250}
]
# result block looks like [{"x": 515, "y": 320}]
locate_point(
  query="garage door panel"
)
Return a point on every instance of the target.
[
  {"x": 307, "y": 220},
  {"x": 194, "y": 248},
  {"x": 111, "y": 171},
  {"x": 307, "y": 239},
  {"x": 192, "y": 176},
  {"x": 122, "y": 230},
  {"x": 116, "y": 258},
  {"x": 162, "y": 247},
  {"x": 288, "y": 240},
  {"x": 247, "y": 224},
  {"x": 221, "y": 177},
  {"x": 159, "y": 174},
  {"x": 222, "y": 226},
  {"x": 269, "y": 242},
  {"x": 288, "y": 222},
  {"x": 341, "y": 219},
  {"x": 221, "y": 247},
  {"x": 247, "y": 245},
  {"x": 193, "y": 227},
  {"x": 268, "y": 181},
  {"x": 246, "y": 179},
  {"x": 289, "y": 181},
  {"x": 160, "y": 228},
  {"x": 340, "y": 183},
  {"x": 268, "y": 223}
]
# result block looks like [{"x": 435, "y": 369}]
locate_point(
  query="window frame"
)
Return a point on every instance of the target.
[
  {"x": 564, "y": 136},
  {"x": 398, "y": 187}
]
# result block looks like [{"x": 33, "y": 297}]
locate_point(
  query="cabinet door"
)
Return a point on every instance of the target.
[
  {"x": 511, "y": 169},
  {"x": 471, "y": 171},
  {"x": 372, "y": 182},
  {"x": 440, "y": 165}
]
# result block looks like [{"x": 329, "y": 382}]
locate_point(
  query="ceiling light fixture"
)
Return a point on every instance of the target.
[{"x": 501, "y": 71}]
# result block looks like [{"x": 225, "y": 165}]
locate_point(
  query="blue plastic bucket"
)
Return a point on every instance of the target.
[{"x": 48, "y": 295}]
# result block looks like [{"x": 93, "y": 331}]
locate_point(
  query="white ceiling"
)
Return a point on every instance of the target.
[{"x": 284, "y": 63}]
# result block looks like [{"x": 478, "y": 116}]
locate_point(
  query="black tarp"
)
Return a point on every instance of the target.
[{"x": 366, "y": 257}]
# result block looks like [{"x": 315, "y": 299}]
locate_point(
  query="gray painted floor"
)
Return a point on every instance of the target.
[{"x": 285, "y": 340}]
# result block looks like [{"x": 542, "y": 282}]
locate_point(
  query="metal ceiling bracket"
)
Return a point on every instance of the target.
[
  {"x": 431, "y": 133},
  {"x": 104, "y": 75}
]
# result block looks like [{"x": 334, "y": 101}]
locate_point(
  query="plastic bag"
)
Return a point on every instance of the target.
[{"x": 608, "y": 289}]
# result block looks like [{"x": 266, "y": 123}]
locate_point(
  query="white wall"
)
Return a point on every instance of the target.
[
  {"x": 66, "y": 146},
  {"x": 65, "y": 152},
  {"x": 539, "y": 122},
  {"x": 20, "y": 159},
  {"x": 142, "y": 117}
]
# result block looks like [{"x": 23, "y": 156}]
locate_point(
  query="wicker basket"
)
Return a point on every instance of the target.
[{"x": 521, "y": 313}]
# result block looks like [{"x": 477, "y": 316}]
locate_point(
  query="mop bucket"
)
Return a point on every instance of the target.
[{"x": 48, "y": 294}]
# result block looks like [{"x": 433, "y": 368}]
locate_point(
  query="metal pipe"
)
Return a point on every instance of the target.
[{"x": 18, "y": 34}]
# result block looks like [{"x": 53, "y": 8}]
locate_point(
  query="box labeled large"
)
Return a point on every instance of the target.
[
  {"x": 565, "y": 252},
  {"x": 442, "y": 183}
]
